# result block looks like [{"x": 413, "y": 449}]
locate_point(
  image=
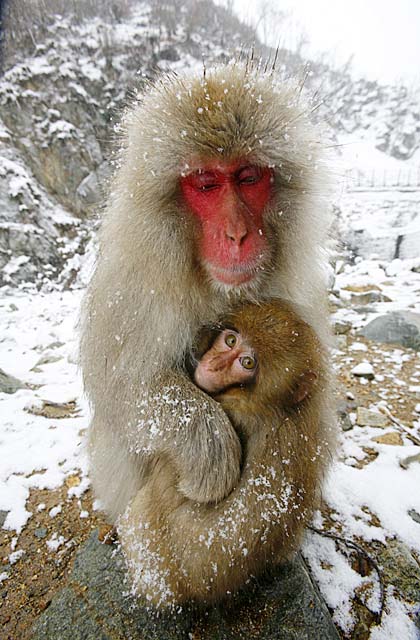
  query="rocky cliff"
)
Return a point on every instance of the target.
[{"x": 64, "y": 82}]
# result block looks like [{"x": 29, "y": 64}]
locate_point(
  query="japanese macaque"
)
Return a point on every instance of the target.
[
  {"x": 231, "y": 361},
  {"x": 218, "y": 199},
  {"x": 267, "y": 369}
]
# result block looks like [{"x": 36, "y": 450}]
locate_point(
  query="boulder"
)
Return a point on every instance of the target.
[
  {"x": 400, "y": 569},
  {"x": 398, "y": 327},
  {"x": 366, "y": 418},
  {"x": 409, "y": 244},
  {"x": 10, "y": 384},
  {"x": 90, "y": 192},
  {"x": 363, "y": 370},
  {"x": 96, "y": 604},
  {"x": 341, "y": 327}
]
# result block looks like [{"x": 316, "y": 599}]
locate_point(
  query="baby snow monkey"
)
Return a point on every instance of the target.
[{"x": 265, "y": 366}]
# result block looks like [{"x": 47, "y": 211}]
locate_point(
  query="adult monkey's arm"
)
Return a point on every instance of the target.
[{"x": 192, "y": 430}]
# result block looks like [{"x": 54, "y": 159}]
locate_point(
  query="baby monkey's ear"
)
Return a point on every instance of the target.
[{"x": 303, "y": 388}]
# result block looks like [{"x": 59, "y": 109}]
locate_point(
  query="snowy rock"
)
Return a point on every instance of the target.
[
  {"x": 55, "y": 511},
  {"x": 363, "y": 370},
  {"x": 414, "y": 515},
  {"x": 53, "y": 410},
  {"x": 89, "y": 193},
  {"x": 358, "y": 346},
  {"x": 3, "y": 516},
  {"x": 170, "y": 53},
  {"x": 401, "y": 570},
  {"x": 409, "y": 243},
  {"x": 383, "y": 224},
  {"x": 48, "y": 358},
  {"x": 88, "y": 189},
  {"x": 400, "y": 327},
  {"x": 95, "y": 604},
  {"x": 33, "y": 226},
  {"x": 364, "y": 244},
  {"x": 341, "y": 341},
  {"x": 406, "y": 462},
  {"x": 341, "y": 327},
  {"x": 344, "y": 408},
  {"x": 9, "y": 384},
  {"x": 345, "y": 422},
  {"x": 368, "y": 297},
  {"x": 366, "y": 418},
  {"x": 392, "y": 438}
]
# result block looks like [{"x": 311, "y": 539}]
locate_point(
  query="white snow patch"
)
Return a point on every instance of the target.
[
  {"x": 55, "y": 511},
  {"x": 55, "y": 542},
  {"x": 395, "y": 623},
  {"x": 39, "y": 452},
  {"x": 16, "y": 555}
]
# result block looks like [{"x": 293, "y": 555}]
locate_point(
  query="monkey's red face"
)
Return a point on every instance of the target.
[
  {"x": 229, "y": 202},
  {"x": 229, "y": 361}
]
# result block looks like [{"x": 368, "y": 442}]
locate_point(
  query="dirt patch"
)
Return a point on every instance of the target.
[
  {"x": 41, "y": 570},
  {"x": 49, "y": 543}
]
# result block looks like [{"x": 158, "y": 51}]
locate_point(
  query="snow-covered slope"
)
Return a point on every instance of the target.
[{"x": 59, "y": 104}]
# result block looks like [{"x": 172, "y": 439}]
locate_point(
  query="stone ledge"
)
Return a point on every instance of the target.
[{"x": 95, "y": 606}]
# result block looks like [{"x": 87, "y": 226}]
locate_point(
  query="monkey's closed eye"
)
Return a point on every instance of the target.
[
  {"x": 208, "y": 187},
  {"x": 249, "y": 175},
  {"x": 248, "y": 362},
  {"x": 204, "y": 181},
  {"x": 230, "y": 340}
]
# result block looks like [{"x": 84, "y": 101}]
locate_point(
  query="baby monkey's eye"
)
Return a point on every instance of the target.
[
  {"x": 248, "y": 362},
  {"x": 230, "y": 340}
]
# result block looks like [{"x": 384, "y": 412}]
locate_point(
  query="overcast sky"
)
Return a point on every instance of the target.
[{"x": 383, "y": 36}]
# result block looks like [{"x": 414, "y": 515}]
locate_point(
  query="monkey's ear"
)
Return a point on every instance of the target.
[{"x": 303, "y": 387}]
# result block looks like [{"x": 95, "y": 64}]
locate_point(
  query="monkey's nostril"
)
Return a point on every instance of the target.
[{"x": 236, "y": 237}]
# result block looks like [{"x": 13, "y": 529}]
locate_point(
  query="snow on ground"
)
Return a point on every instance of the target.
[
  {"x": 397, "y": 282},
  {"x": 38, "y": 345},
  {"x": 373, "y": 499}
]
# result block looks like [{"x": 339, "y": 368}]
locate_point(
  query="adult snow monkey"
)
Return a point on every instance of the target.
[{"x": 217, "y": 200}]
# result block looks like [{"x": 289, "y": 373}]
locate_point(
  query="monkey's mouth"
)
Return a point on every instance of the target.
[{"x": 234, "y": 275}]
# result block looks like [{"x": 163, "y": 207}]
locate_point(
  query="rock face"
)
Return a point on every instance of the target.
[
  {"x": 10, "y": 384},
  {"x": 399, "y": 327},
  {"x": 34, "y": 228},
  {"x": 95, "y": 606},
  {"x": 57, "y": 100}
]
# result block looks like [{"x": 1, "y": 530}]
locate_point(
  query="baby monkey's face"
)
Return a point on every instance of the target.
[{"x": 230, "y": 361}]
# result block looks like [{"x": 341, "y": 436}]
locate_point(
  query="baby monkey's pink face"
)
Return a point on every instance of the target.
[{"x": 229, "y": 361}]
